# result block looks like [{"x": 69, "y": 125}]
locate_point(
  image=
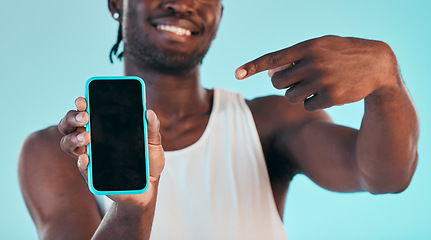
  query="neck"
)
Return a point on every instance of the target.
[{"x": 171, "y": 96}]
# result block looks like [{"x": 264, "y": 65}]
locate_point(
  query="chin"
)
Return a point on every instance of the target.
[
  {"x": 166, "y": 62},
  {"x": 169, "y": 61}
]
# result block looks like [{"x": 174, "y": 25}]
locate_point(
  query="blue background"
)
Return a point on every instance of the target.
[{"x": 48, "y": 49}]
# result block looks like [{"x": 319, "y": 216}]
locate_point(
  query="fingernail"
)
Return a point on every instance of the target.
[
  {"x": 81, "y": 137},
  {"x": 148, "y": 114},
  {"x": 79, "y": 117},
  {"x": 79, "y": 162},
  {"x": 240, "y": 73}
]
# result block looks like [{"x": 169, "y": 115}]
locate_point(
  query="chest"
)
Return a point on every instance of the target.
[{"x": 220, "y": 184}]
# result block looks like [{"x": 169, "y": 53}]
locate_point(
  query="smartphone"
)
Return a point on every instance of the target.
[{"x": 118, "y": 150}]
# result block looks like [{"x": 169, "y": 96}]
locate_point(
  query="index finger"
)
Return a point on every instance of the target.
[{"x": 270, "y": 61}]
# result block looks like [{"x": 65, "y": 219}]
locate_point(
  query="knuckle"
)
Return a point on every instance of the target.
[
  {"x": 330, "y": 37},
  {"x": 70, "y": 114},
  {"x": 314, "y": 44},
  {"x": 307, "y": 46},
  {"x": 155, "y": 139},
  {"x": 328, "y": 40},
  {"x": 80, "y": 130},
  {"x": 272, "y": 59},
  {"x": 64, "y": 144},
  {"x": 61, "y": 127},
  {"x": 81, "y": 150},
  {"x": 254, "y": 67},
  {"x": 70, "y": 118}
]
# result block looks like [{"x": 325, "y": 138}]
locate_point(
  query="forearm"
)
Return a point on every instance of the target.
[
  {"x": 126, "y": 222},
  {"x": 386, "y": 147}
]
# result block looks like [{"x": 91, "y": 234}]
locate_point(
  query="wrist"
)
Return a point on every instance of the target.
[
  {"x": 137, "y": 202},
  {"x": 388, "y": 77},
  {"x": 388, "y": 92},
  {"x": 135, "y": 211}
]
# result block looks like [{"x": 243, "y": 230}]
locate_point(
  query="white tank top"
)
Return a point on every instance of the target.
[{"x": 218, "y": 187}]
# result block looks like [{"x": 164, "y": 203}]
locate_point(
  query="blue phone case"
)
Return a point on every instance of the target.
[{"x": 90, "y": 169}]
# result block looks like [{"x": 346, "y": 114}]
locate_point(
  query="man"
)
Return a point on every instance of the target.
[{"x": 227, "y": 160}]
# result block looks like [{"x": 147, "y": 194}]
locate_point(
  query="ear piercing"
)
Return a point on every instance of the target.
[{"x": 116, "y": 16}]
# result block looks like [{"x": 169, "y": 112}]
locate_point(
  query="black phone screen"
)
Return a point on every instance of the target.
[{"x": 117, "y": 135}]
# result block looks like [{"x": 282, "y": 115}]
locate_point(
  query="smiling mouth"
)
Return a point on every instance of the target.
[{"x": 174, "y": 29}]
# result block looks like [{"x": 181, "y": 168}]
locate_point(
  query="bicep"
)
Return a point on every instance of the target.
[
  {"x": 54, "y": 191},
  {"x": 325, "y": 153}
]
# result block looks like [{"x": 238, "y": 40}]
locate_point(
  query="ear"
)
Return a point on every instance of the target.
[{"x": 115, "y": 6}]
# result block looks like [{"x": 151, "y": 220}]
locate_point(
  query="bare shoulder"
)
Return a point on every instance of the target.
[
  {"x": 41, "y": 141},
  {"x": 53, "y": 187},
  {"x": 41, "y": 150}
]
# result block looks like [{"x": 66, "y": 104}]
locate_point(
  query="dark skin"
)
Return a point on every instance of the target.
[{"x": 297, "y": 136}]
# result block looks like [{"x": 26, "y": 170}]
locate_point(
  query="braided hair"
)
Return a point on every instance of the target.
[{"x": 114, "y": 49}]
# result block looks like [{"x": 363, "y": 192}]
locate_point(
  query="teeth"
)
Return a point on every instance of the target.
[{"x": 177, "y": 30}]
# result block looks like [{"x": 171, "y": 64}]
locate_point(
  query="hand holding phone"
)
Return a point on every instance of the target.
[
  {"x": 118, "y": 150},
  {"x": 75, "y": 140}
]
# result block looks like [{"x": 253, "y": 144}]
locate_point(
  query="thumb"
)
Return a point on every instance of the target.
[
  {"x": 156, "y": 154},
  {"x": 154, "y": 137}
]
